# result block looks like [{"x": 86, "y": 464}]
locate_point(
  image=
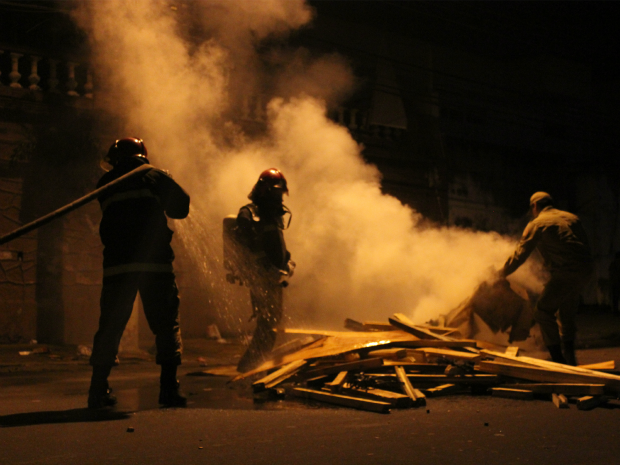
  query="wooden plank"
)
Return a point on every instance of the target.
[
  {"x": 512, "y": 350},
  {"x": 509, "y": 393},
  {"x": 359, "y": 365},
  {"x": 420, "y": 396},
  {"x": 442, "y": 390},
  {"x": 395, "y": 399},
  {"x": 417, "y": 367},
  {"x": 540, "y": 374},
  {"x": 436, "y": 343},
  {"x": 559, "y": 400},
  {"x": 395, "y": 353},
  {"x": 331, "y": 346},
  {"x": 442, "y": 330},
  {"x": 402, "y": 322},
  {"x": 355, "y": 325},
  {"x": 558, "y": 367},
  {"x": 447, "y": 353},
  {"x": 590, "y": 402},
  {"x": 336, "y": 384},
  {"x": 608, "y": 365},
  {"x": 484, "y": 379},
  {"x": 561, "y": 388},
  {"x": 487, "y": 345},
  {"x": 378, "y": 326},
  {"x": 416, "y": 395},
  {"x": 278, "y": 376},
  {"x": 342, "y": 400}
]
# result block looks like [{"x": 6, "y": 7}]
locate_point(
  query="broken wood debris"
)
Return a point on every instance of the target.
[
  {"x": 511, "y": 393},
  {"x": 589, "y": 402},
  {"x": 339, "y": 399},
  {"x": 559, "y": 400},
  {"x": 379, "y": 366}
]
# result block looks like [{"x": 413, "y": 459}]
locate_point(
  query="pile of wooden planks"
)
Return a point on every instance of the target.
[{"x": 398, "y": 364}]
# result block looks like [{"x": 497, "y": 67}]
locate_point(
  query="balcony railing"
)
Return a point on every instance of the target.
[{"x": 25, "y": 72}]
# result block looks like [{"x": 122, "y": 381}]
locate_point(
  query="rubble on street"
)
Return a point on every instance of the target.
[{"x": 379, "y": 366}]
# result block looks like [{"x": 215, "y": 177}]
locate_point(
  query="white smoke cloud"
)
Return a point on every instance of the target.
[{"x": 360, "y": 254}]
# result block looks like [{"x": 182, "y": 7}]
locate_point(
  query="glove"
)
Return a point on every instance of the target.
[
  {"x": 291, "y": 268},
  {"x": 276, "y": 275}
]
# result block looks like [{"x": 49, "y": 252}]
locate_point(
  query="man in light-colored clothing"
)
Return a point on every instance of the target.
[{"x": 562, "y": 241}]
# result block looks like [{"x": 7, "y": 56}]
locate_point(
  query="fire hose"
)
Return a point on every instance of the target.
[{"x": 73, "y": 205}]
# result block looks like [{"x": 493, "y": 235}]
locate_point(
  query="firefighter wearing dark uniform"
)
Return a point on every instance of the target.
[
  {"x": 562, "y": 242},
  {"x": 137, "y": 257},
  {"x": 268, "y": 264}
]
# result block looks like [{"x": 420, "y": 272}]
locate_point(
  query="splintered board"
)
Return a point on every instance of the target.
[
  {"x": 339, "y": 399},
  {"x": 335, "y": 345}
]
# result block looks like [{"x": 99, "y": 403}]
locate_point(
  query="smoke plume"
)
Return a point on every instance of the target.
[{"x": 176, "y": 74}]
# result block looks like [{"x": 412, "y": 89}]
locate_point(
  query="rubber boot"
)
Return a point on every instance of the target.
[
  {"x": 556, "y": 354},
  {"x": 100, "y": 395},
  {"x": 169, "y": 395},
  {"x": 569, "y": 353}
]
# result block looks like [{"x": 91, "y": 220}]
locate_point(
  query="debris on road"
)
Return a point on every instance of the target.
[
  {"x": 84, "y": 351},
  {"x": 380, "y": 366},
  {"x": 36, "y": 350}
]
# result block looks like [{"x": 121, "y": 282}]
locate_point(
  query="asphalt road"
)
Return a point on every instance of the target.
[{"x": 43, "y": 421}]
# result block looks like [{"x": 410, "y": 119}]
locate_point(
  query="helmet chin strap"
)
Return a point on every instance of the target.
[
  {"x": 290, "y": 217},
  {"x": 105, "y": 165}
]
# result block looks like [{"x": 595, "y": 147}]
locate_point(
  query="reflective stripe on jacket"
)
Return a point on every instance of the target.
[{"x": 134, "y": 226}]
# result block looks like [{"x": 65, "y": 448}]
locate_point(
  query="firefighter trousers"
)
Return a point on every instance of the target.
[
  {"x": 268, "y": 308},
  {"x": 160, "y": 299},
  {"x": 558, "y": 305}
]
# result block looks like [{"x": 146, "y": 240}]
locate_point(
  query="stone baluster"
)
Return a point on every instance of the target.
[
  {"x": 53, "y": 80},
  {"x": 14, "y": 75},
  {"x": 71, "y": 82},
  {"x": 88, "y": 86},
  {"x": 34, "y": 73}
]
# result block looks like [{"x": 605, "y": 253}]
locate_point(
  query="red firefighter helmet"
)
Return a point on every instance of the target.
[
  {"x": 127, "y": 147},
  {"x": 269, "y": 181}
]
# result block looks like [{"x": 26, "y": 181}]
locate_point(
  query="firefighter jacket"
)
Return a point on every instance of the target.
[
  {"x": 259, "y": 231},
  {"x": 134, "y": 228},
  {"x": 559, "y": 237}
]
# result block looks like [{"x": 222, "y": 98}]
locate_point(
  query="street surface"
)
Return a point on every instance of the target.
[{"x": 43, "y": 421}]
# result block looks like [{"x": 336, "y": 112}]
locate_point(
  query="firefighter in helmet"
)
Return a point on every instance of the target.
[
  {"x": 137, "y": 257},
  {"x": 267, "y": 262}
]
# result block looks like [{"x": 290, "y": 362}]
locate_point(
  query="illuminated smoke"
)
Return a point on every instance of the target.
[{"x": 360, "y": 254}]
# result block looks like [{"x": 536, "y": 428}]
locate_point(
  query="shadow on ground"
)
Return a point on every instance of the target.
[{"x": 78, "y": 415}]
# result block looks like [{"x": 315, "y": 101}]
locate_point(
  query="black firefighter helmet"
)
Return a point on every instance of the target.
[{"x": 124, "y": 148}]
